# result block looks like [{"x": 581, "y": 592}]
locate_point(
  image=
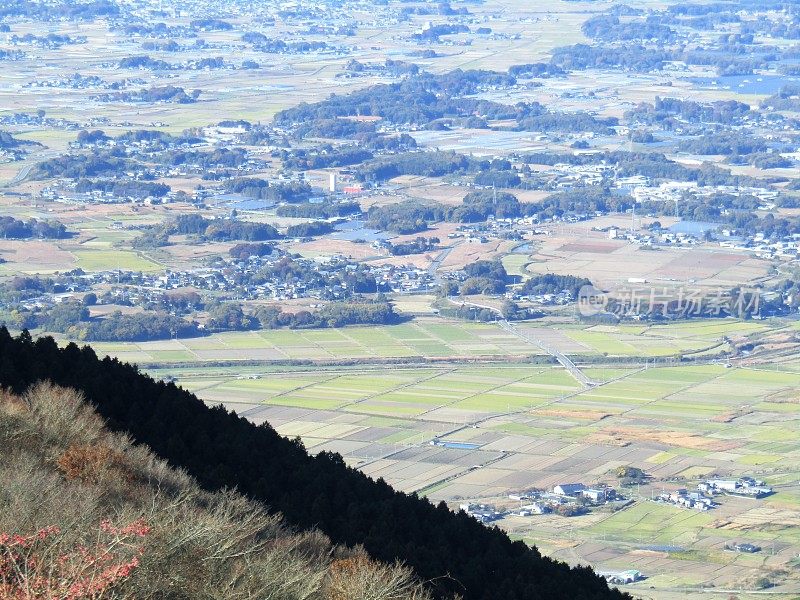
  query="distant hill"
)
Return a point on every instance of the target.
[{"x": 452, "y": 553}]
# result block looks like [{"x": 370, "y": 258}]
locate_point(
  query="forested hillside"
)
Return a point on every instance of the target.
[{"x": 453, "y": 553}]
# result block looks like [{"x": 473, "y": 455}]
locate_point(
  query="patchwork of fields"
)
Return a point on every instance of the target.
[
  {"x": 433, "y": 338},
  {"x": 526, "y": 426},
  {"x": 519, "y": 425}
]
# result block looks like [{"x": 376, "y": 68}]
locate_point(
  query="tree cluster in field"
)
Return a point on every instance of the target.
[
  {"x": 222, "y": 229},
  {"x": 498, "y": 179},
  {"x": 390, "y": 67},
  {"x": 419, "y": 245},
  {"x": 210, "y": 24},
  {"x": 318, "y": 210},
  {"x": 410, "y": 216},
  {"x": 219, "y": 230},
  {"x": 161, "y": 46},
  {"x": 157, "y": 140},
  {"x": 219, "y": 157},
  {"x": 72, "y": 318},
  {"x": 480, "y": 277},
  {"x": 406, "y": 217},
  {"x": 550, "y": 283},
  {"x": 643, "y": 59},
  {"x": 761, "y": 160},
  {"x": 333, "y": 314},
  {"x": 143, "y": 62},
  {"x": 538, "y": 70},
  {"x": 260, "y": 189},
  {"x": 77, "y": 166},
  {"x": 433, "y": 33},
  {"x": 736, "y": 212},
  {"x": 9, "y": 142},
  {"x": 228, "y": 316},
  {"x": 167, "y": 93},
  {"x": 728, "y": 144},
  {"x": 16, "y": 229},
  {"x": 152, "y": 238},
  {"x": 478, "y": 206},
  {"x": 467, "y": 312},
  {"x": 157, "y": 29},
  {"x": 262, "y": 43},
  {"x": 426, "y": 164},
  {"x": 630, "y": 57},
  {"x": 123, "y": 188},
  {"x": 152, "y": 64},
  {"x": 733, "y": 212},
  {"x": 248, "y": 249},
  {"x": 609, "y": 28},
  {"x": 437, "y": 164},
  {"x": 452, "y": 552},
  {"x": 309, "y": 229},
  {"x": 324, "y": 157}
]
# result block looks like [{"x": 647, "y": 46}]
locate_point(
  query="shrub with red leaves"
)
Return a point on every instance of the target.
[{"x": 38, "y": 566}]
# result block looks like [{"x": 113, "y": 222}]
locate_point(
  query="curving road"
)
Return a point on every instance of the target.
[{"x": 562, "y": 358}]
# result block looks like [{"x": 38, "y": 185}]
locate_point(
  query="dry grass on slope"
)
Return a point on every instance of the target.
[{"x": 84, "y": 514}]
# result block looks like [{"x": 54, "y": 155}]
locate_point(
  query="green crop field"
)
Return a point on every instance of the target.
[
  {"x": 108, "y": 260},
  {"x": 533, "y": 426},
  {"x": 424, "y": 337}
]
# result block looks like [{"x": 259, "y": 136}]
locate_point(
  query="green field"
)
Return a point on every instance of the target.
[
  {"x": 107, "y": 260},
  {"x": 423, "y": 337}
]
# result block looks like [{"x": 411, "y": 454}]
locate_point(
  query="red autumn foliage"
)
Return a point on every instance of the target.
[{"x": 38, "y": 567}]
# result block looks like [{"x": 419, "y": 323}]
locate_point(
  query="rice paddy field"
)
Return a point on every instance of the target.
[
  {"x": 434, "y": 338},
  {"x": 522, "y": 425}
]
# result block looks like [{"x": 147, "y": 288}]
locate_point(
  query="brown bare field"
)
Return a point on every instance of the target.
[
  {"x": 577, "y": 250},
  {"x": 330, "y": 247},
  {"x": 672, "y": 438},
  {"x": 34, "y": 255},
  {"x": 426, "y": 188},
  {"x": 467, "y": 253}
]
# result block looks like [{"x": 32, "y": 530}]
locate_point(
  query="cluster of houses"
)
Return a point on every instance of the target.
[
  {"x": 565, "y": 498},
  {"x": 485, "y": 513},
  {"x": 745, "y": 486},
  {"x": 686, "y": 499},
  {"x": 703, "y": 498},
  {"x": 621, "y": 577},
  {"x": 762, "y": 247},
  {"x": 76, "y": 81},
  {"x": 231, "y": 279},
  {"x": 40, "y": 120},
  {"x": 745, "y": 547},
  {"x": 557, "y": 299}
]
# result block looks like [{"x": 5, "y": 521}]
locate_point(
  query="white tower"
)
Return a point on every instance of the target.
[{"x": 332, "y": 183}]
